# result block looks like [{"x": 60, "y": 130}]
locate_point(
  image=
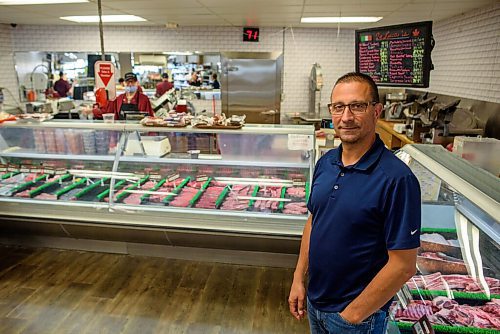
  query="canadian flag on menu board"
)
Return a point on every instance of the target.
[{"x": 105, "y": 77}]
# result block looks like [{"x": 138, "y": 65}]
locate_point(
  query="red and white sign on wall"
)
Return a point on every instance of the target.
[{"x": 105, "y": 77}]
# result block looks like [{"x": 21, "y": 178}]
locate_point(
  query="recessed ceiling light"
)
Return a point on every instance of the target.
[
  {"x": 340, "y": 19},
  {"x": 105, "y": 18},
  {"x": 37, "y": 2}
]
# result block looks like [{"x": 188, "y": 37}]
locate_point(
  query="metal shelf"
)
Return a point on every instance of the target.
[
  {"x": 480, "y": 190},
  {"x": 121, "y": 126},
  {"x": 52, "y": 156},
  {"x": 216, "y": 162}
]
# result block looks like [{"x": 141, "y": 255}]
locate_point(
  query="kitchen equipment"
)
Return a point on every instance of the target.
[
  {"x": 315, "y": 86},
  {"x": 251, "y": 85}
]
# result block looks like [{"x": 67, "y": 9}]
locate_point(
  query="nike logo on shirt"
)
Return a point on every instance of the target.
[{"x": 413, "y": 232}]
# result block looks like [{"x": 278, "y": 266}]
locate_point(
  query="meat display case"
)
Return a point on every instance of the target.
[
  {"x": 250, "y": 181},
  {"x": 457, "y": 285}
]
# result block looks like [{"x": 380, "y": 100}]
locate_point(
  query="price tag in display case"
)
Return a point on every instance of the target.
[
  {"x": 423, "y": 326},
  {"x": 12, "y": 168},
  {"x": 404, "y": 296},
  {"x": 201, "y": 178},
  {"x": 155, "y": 176},
  {"x": 250, "y": 34},
  {"x": 173, "y": 177},
  {"x": 298, "y": 183},
  {"x": 25, "y": 168}
]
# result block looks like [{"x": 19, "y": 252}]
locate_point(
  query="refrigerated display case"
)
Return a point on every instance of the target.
[
  {"x": 457, "y": 285},
  {"x": 251, "y": 181}
]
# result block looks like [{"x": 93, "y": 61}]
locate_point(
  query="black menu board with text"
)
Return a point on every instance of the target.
[{"x": 396, "y": 55}]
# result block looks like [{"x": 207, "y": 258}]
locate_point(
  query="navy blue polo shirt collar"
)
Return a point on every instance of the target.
[{"x": 366, "y": 161}]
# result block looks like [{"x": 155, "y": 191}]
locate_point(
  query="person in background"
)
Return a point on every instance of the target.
[
  {"x": 164, "y": 86},
  {"x": 359, "y": 245},
  {"x": 62, "y": 86},
  {"x": 215, "y": 82},
  {"x": 121, "y": 83},
  {"x": 195, "y": 79},
  {"x": 133, "y": 100}
]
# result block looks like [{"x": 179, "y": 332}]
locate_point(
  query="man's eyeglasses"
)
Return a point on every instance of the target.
[{"x": 355, "y": 107}]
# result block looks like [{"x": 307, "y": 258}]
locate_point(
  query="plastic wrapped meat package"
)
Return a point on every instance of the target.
[{"x": 74, "y": 141}]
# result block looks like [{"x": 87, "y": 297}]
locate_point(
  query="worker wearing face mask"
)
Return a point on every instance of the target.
[{"x": 132, "y": 101}]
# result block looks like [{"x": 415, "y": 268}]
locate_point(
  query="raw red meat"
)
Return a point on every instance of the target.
[
  {"x": 448, "y": 312},
  {"x": 183, "y": 198},
  {"x": 232, "y": 202},
  {"x": 209, "y": 197},
  {"x": 295, "y": 208},
  {"x": 415, "y": 311},
  {"x": 437, "y": 281},
  {"x": 296, "y": 192}
]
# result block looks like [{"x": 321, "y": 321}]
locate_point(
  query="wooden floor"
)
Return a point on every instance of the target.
[{"x": 61, "y": 291}]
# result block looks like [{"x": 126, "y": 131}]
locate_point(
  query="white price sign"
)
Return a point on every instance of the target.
[{"x": 300, "y": 142}]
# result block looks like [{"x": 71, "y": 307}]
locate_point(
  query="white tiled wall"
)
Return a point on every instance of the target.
[
  {"x": 304, "y": 47},
  {"x": 466, "y": 56},
  {"x": 8, "y": 78}
]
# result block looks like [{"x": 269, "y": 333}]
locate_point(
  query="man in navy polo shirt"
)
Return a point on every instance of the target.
[{"x": 360, "y": 242}]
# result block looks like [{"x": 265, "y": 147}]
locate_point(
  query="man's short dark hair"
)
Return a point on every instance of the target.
[
  {"x": 164, "y": 75},
  {"x": 214, "y": 76},
  {"x": 360, "y": 77},
  {"x": 121, "y": 80},
  {"x": 61, "y": 74}
]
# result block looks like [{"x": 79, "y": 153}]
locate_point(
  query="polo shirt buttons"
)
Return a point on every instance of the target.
[
  {"x": 336, "y": 187},
  {"x": 342, "y": 174}
]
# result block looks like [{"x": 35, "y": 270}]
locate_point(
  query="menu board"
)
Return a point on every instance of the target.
[{"x": 397, "y": 55}]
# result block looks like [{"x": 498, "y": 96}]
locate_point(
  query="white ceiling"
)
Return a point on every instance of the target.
[{"x": 275, "y": 13}]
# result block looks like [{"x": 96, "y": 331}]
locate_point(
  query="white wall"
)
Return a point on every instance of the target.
[
  {"x": 468, "y": 67},
  {"x": 467, "y": 55},
  {"x": 8, "y": 77}
]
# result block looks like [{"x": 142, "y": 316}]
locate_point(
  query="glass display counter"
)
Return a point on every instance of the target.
[
  {"x": 457, "y": 286},
  {"x": 251, "y": 180}
]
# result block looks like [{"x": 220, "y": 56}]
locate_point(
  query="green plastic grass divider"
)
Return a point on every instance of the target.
[
  {"x": 307, "y": 191},
  {"x": 9, "y": 175},
  {"x": 72, "y": 186},
  {"x": 221, "y": 197},
  {"x": 282, "y": 204},
  {"x": 442, "y": 329},
  {"x": 254, "y": 193},
  {"x": 91, "y": 187},
  {"x": 177, "y": 190},
  {"x": 197, "y": 196},
  {"x": 124, "y": 194},
  {"x": 206, "y": 184},
  {"x": 40, "y": 189},
  {"x": 457, "y": 294},
  {"x": 28, "y": 184},
  {"x": 155, "y": 188},
  {"x": 105, "y": 193},
  {"x": 437, "y": 230}
]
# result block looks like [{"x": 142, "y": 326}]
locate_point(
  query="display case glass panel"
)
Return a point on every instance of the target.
[{"x": 457, "y": 284}]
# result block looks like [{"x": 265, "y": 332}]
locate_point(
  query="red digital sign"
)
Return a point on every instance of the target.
[{"x": 250, "y": 34}]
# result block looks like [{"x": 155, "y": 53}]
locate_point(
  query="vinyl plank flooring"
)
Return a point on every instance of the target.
[
  {"x": 70, "y": 292},
  {"x": 54, "y": 313},
  {"x": 14, "y": 298},
  {"x": 12, "y": 325}
]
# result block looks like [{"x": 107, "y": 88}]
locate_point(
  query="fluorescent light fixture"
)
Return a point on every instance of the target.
[
  {"x": 105, "y": 18},
  {"x": 341, "y": 19},
  {"x": 178, "y": 53},
  {"x": 37, "y": 2}
]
